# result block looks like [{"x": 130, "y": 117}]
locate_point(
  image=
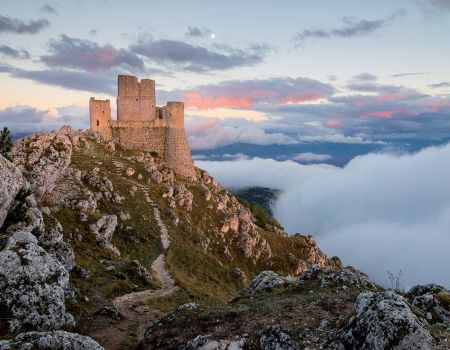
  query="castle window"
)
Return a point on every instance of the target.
[
  {"x": 137, "y": 99},
  {"x": 98, "y": 123}
]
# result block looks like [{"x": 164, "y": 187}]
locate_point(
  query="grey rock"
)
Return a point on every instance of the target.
[
  {"x": 434, "y": 301},
  {"x": 11, "y": 181},
  {"x": 33, "y": 284},
  {"x": 44, "y": 157},
  {"x": 384, "y": 320},
  {"x": 103, "y": 230},
  {"x": 206, "y": 343},
  {"x": 276, "y": 338},
  {"x": 267, "y": 280},
  {"x": 63, "y": 252},
  {"x": 58, "y": 340}
]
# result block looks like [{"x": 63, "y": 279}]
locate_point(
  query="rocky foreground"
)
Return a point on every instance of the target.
[{"x": 85, "y": 224}]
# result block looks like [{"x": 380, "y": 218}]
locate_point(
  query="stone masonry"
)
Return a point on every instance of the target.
[{"x": 143, "y": 126}]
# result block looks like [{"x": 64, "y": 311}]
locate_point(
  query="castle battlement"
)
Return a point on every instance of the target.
[{"x": 143, "y": 126}]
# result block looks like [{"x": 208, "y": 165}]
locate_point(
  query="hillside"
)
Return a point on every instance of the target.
[{"x": 113, "y": 223}]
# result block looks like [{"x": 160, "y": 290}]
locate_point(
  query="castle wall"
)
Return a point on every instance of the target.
[
  {"x": 142, "y": 126},
  {"x": 100, "y": 117},
  {"x": 140, "y": 136},
  {"x": 136, "y": 101},
  {"x": 177, "y": 153}
]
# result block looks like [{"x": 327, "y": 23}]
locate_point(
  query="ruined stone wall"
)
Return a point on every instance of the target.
[
  {"x": 136, "y": 101},
  {"x": 100, "y": 117},
  {"x": 140, "y": 136},
  {"x": 177, "y": 153}
]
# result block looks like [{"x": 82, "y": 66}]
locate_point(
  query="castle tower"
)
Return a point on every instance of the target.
[
  {"x": 176, "y": 147},
  {"x": 136, "y": 100},
  {"x": 100, "y": 117}
]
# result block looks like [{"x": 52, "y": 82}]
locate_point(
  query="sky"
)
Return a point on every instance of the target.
[
  {"x": 253, "y": 72},
  {"x": 342, "y": 105}
]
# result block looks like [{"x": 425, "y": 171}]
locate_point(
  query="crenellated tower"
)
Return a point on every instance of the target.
[{"x": 143, "y": 126}]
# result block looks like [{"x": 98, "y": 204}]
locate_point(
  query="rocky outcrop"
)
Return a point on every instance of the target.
[
  {"x": 139, "y": 271},
  {"x": 206, "y": 343},
  {"x": 346, "y": 276},
  {"x": 276, "y": 338},
  {"x": 384, "y": 320},
  {"x": 33, "y": 286},
  {"x": 433, "y": 301},
  {"x": 103, "y": 230},
  {"x": 11, "y": 181},
  {"x": 43, "y": 158},
  {"x": 180, "y": 196},
  {"x": 266, "y": 281},
  {"x": 57, "y": 340}
]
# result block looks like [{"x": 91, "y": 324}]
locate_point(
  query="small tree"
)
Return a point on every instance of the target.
[{"x": 6, "y": 143}]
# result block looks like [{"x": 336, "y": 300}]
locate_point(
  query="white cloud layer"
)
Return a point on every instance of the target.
[
  {"x": 381, "y": 212},
  {"x": 311, "y": 157}
]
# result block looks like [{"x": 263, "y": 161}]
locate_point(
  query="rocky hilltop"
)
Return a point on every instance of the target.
[
  {"x": 100, "y": 240},
  {"x": 102, "y": 247}
]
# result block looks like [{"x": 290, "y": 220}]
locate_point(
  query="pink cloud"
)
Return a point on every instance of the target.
[{"x": 333, "y": 123}]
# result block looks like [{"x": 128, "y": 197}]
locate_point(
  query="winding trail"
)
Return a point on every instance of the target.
[
  {"x": 132, "y": 306},
  {"x": 129, "y": 305}
]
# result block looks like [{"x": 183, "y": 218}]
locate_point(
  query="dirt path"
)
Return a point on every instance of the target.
[
  {"x": 137, "y": 316},
  {"x": 129, "y": 304}
]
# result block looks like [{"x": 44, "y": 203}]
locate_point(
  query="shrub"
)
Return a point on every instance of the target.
[{"x": 6, "y": 143}]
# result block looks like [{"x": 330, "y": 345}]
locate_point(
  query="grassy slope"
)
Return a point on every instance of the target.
[{"x": 205, "y": 277}]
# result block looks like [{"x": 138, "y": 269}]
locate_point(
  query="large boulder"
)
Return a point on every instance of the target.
[
  {"x": 11, "y": 181},
  {"x": 32, "y": 285},
  {"x": 384, "y": 320},
  {"x": 433, "y": 301},
  {"x": 266, "y": 281},
  {"x": 58, "y": 340},
  {"x": 43, "y": 157}
]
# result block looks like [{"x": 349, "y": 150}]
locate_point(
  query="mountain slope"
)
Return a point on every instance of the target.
[{"x": 94, "y": 213}]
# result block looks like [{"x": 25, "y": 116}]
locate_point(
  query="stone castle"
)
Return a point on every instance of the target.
[{"x": 143, "y": 126}]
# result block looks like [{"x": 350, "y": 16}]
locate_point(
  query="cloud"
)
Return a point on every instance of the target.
[
  {"x": 89, "y": 56},
  {"x": 309, "y": 157},
  {"x": 351, "y": 27},
  {"x": 381, "y": 212},
  {"x": 197, "y": 32},
  {"x": 333, "y": 123},
  {"x": 14, "y": 53},
  {"x": 337, "y": 138},
  {"x": 445, "y": 84},
  {"x": 250, "y": 93},
  {"x": 13, "y": 25},
  {"x": 185, "y": 56},
  {"x": 25, "y": 119},
  {"x": 47, "y": 8},
  {"x": 211, "y": 133},
  {"x": 399, "y": 75},
  {"x": 365, "y": 77},
  {"x": 66, "y": 79},
  {"x": 434, "y": 7}
]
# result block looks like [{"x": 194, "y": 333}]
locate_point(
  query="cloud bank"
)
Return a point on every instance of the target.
[
  {"x": 351, "y": 27},
  {"x": 381, "y": 212},
  {"x": 16, "y": 26}
]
